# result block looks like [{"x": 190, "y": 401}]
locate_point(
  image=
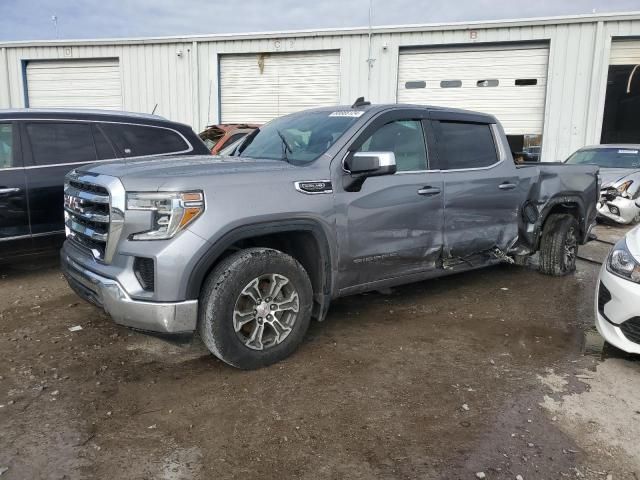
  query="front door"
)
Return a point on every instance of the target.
[
  {"x": 393, "y": 224},
  {"x": 15, "y": 237}
]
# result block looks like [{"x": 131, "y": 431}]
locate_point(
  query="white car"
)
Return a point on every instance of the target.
[
  {"x": 620, "y": 173},
  {"x": 618, "y": 295}
]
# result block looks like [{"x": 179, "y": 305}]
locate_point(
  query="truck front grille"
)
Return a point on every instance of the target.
[{"x": 87, "y": 216}]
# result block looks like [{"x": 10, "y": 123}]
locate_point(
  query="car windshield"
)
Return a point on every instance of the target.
[
  {"x": 607, "y": 157},
  {"x": 299, "y": 138}
]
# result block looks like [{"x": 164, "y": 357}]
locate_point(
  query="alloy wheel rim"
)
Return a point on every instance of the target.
[
  {"x": 266, "y": 311},
  {"x": 570, "y": 248}
]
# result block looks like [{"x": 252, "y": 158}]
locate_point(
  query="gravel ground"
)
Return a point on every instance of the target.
[{"x": 495, "y": 371}]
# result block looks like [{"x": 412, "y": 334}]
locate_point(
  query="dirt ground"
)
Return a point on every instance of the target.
[{"x": 496, "y": 371}]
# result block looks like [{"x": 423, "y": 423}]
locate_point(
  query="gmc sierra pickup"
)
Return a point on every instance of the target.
[{"x": 247, "y": 249}]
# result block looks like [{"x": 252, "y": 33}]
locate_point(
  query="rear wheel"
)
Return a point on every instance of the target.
[
  {"x": 559, "y": 245},
  {"x": 255, "y": 308}
]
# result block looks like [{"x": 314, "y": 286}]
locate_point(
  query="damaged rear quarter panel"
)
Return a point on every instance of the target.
[{"x": 558, "y": 187}]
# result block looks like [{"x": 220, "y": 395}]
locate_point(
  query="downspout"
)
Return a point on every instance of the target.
[
  {"x": 195, "y": 85},
  {"x": 594, "y": 130},
  {"x": 369, "y": 59}
]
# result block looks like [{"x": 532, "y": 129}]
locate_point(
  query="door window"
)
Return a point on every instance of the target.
[
  {"x": 139, "y": 140},
  {"x": 60, "y": 143},
  {"x": 465, "y": 145},
  {"x": 405, "y": 138},
  {"x": 6, "y": 146}
]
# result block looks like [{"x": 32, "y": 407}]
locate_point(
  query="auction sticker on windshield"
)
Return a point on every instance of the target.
[
  {"x": 347, "y": 113},
  {"x": 630, "y": 152}
]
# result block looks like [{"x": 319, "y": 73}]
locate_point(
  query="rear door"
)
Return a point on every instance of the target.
[
  {"x": 54, "y": 148},
  {"x": 482, "y": 188},
  {"x": 15, "y": 237}
]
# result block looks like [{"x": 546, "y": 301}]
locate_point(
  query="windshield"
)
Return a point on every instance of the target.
[
  {"x": 607, "y": 157},
  {"x": 299, "y": 138}
]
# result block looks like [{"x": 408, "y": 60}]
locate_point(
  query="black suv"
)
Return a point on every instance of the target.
[{"x": 37, "y": 149}]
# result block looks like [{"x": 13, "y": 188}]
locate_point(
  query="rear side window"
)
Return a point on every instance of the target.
[
  {"x": 465, "y": 145},
  {"x": 140, "y": 140},
  {"x": 59, "y": 143},
  {"x": 6, "y": 146}
]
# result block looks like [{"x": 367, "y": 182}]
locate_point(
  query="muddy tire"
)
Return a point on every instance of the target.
[
  {"x": 559, "y": 245},
  {"x": 255, "y": 307}
]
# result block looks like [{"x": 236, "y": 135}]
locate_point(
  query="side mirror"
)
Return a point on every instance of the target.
[
  {"x": 362, "y": 165},
  {"x": 371, "y": 164}
]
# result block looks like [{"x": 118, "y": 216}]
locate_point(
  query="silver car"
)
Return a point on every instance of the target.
[{"x": 620, "y": 172}]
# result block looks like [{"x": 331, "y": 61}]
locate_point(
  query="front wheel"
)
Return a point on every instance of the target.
[
  {"x": 559, "y": 245},
  {"x": 255, "y": 308}
]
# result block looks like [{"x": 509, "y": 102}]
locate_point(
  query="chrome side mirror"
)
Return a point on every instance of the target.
[{"x": 361, "y": 165}]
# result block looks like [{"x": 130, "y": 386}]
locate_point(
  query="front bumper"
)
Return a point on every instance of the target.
[
  {"x": 626, "y": 208},
  {"x": 108, "y": 294},
  {"x": 623, "y": 306}
]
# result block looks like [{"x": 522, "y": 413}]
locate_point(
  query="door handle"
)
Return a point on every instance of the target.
[
  {"x": 9, "y": 190},
  {"x": 507, "y": 186},
  {"x": 429, "y": 191}
]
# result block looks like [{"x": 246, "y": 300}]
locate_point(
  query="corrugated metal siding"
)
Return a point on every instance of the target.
[
  {"x": 152, "y": 72},
  {"x": 520, "y": 109},
  {"x": 255, "y": 88},
  {"x": 74, "y": 84}
]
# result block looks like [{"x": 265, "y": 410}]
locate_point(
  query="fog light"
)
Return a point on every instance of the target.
[{"x": 614, "y": 210}]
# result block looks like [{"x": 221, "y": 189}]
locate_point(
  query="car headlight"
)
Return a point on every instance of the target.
[
  {"x": 172, "y": 211},
  {"x": 622, "y": 263},
  {"x": 624, "y": 186}
]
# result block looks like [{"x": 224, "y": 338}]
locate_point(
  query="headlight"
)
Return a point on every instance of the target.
[
  {"x": 172, "y": 211},
  {"x": 623, "y": 187},
  {"x": 622, "y": 263}
]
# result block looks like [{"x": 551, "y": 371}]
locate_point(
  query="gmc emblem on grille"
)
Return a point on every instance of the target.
[{"x": 73, "y": 203}]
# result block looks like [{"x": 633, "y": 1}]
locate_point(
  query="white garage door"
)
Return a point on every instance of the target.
[
  {"x": 74, "y": 84},
  {"x": 625, "y": 52},
  {"x": 508, "y": 83},
  {"x": 260, "y": 87}
]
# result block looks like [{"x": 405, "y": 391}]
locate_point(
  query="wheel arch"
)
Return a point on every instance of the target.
[
  {"x": 303, "y": 239},
  {"x": 571, "y": 205}
]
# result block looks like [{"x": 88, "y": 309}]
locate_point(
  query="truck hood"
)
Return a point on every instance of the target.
[{"x": 175, "y": 172}]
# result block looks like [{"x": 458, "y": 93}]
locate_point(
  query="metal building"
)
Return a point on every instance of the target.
[{"x": 562, "y": 82}]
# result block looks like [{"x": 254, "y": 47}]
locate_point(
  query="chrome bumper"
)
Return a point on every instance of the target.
[{"x": 108, "y": 294}]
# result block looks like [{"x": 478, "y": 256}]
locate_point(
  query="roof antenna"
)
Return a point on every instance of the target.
[
  {"x": 360, "y": 102},
  {"x": 154, "y": 109}
]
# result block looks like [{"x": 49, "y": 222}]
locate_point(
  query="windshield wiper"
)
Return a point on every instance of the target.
[{"x": 286, "y": 147}]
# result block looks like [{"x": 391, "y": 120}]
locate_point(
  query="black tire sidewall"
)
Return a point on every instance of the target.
[
  {"x": 553, "y": 243},
  {"x": 222, "y": 289}
]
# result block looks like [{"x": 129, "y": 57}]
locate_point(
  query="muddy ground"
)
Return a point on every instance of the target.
[{"x": 479, "y": 372}]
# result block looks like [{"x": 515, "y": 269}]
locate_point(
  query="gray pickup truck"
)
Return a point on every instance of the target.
[{"x": 247, "y": 249}]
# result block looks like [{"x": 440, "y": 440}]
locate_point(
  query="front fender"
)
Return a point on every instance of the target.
[{"x": 206, "y": 262}]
